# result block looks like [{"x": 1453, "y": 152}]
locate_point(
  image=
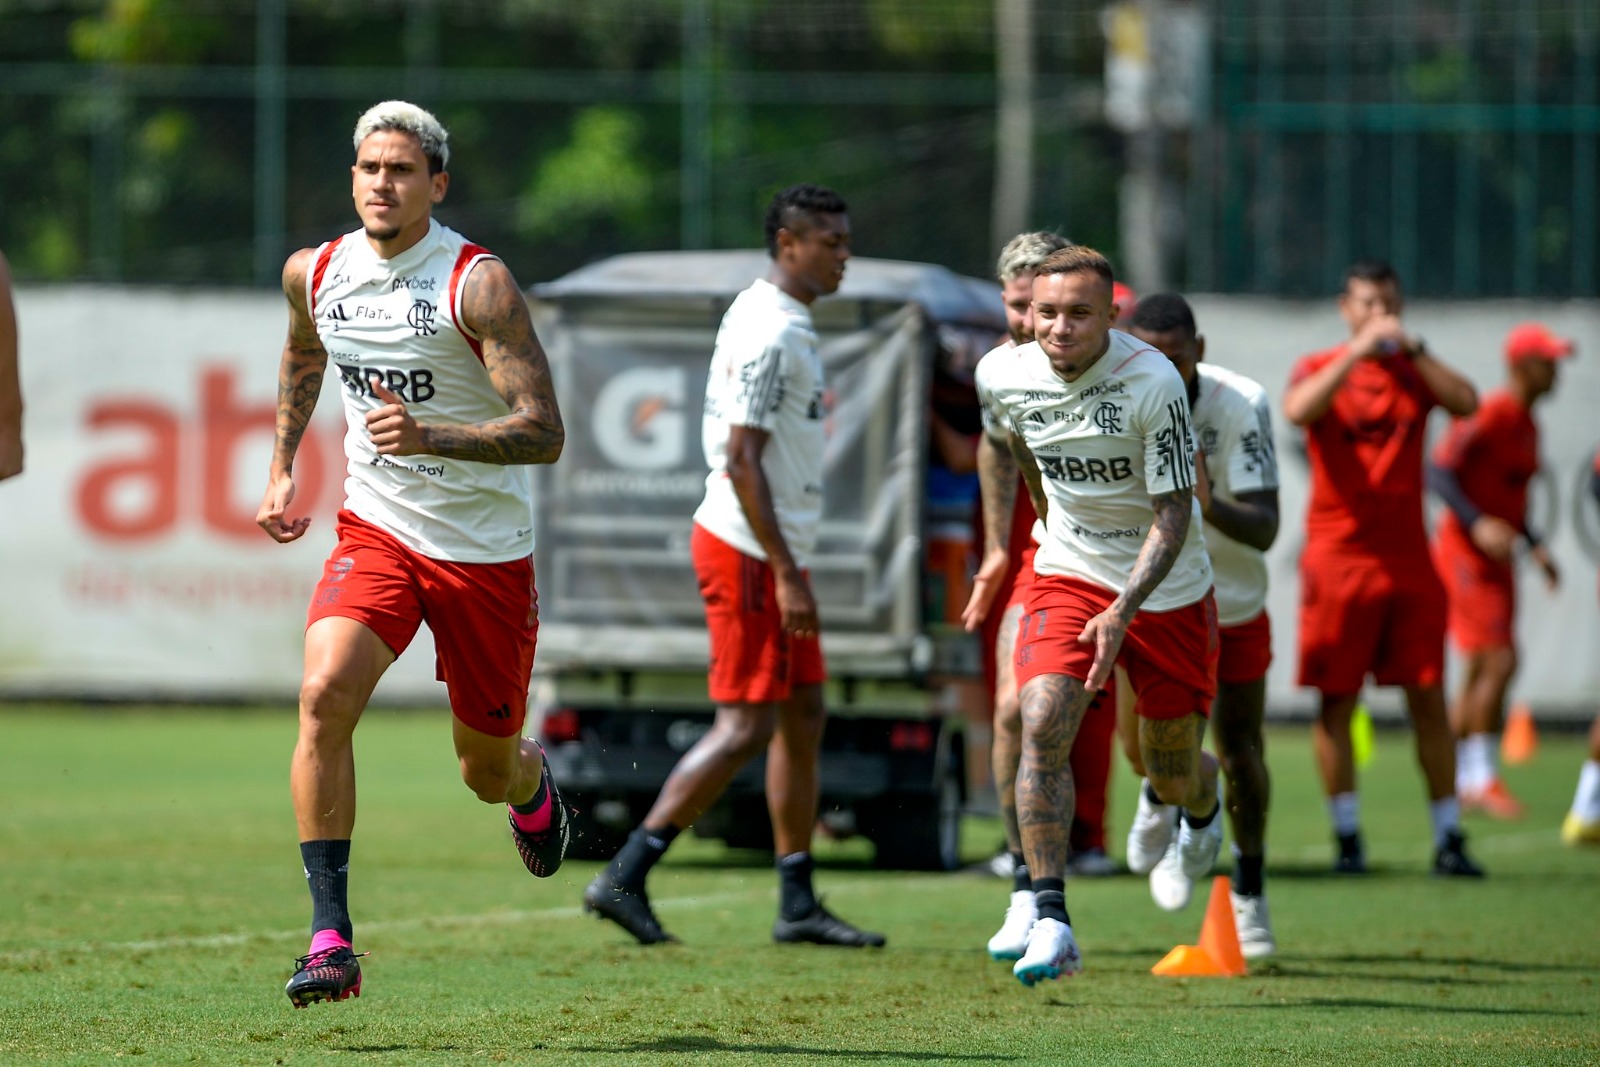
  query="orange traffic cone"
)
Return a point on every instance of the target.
[
  {"x": 1519, "y": 741},
  {"x": 1217, "y": 955}
]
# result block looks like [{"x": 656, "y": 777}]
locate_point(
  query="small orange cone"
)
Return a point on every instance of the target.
[
  {"x": 1217, "y": 955},
  {"x": 1519, "y": 741}
]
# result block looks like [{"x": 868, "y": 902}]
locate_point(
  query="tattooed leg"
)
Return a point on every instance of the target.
[
  {"x": 1052, "y": 709},
  {"x": 1179, "y": 771}
]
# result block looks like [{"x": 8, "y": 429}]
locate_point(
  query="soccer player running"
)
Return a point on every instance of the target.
[
  {"x": 1582, "y": 824},
  {"x": 1481, "y": 469},
  {"x": 764, "y": 442},
  {"x": 1011, "y": 537},
  {"x": 447, "y": 398},
  {"x": 1239, "y": 502},
  {"x": 1370, "y": 600},
  {"x": 1101, "y": 428}
]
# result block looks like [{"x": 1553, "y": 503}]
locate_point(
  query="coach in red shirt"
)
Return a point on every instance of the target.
[{"x": 1370, "y": 600}]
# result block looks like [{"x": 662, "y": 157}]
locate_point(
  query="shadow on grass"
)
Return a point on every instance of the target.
[
  {"x": 711, "y": 1044},
  {"x": 1413, "y": 959},
  {"x": 1369, "y": 1004}
]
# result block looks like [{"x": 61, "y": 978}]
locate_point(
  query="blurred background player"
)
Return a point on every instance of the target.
[
  {"x": 1370, "y": 600},
  {"x": 1582, "y": 824},
  {"x": 1101, "y": 430},
  {"x": 10, "y": 381},
  {"x": 421, "y": 322},
  {"x": 1011, "y": 533},
  {"x": 1239, "y": 502},
  {"x": 1481, "y": 469},
  {"x": 764, "y": 438}
]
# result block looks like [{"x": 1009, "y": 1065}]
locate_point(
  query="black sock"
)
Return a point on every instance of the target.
[
  {"x": 1204, "y": 821},
  {"x": 1150, "y": 795},
  {"x": 796, "y": 899},
  {"x": 535, "y": 802},
  {"x": 1021, "y": 880},
  {"x": 1050, "y": 897},
  {"x": 644, "y": 850},
  {"x": 327, "y": 865},
  {"x": 1247, "y": 877}
]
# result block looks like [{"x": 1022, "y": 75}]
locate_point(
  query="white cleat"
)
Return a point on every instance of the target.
[
  {"x": 1198, "y": 849},
  {"x": 1011, "y": 940},
  {"x": 1170, "y": 888},
  {"x": 1150, "y": 833},
  {"x": 1250, "y": 918},
  {"x": 1052, "y": 953}
]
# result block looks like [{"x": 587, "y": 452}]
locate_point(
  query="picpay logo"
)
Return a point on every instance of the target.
[{"x": 420, "y": 318}]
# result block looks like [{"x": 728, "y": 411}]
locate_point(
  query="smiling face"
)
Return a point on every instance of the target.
[
  {"x": 394, "y": 193},
  {"x": 1072, "y": 316}
]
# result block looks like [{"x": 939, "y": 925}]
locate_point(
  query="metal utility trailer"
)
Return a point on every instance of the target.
[{"x": 620, "y": 687}]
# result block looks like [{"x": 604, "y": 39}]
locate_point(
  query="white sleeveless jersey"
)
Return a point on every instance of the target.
[
  {"x": 766, "y": 374},
  {"x": 1105, "y": 445},
  {"x": 991, "y": 366},
  {"x": 1233, "y": 422},
  {"x": 398, "y": 321}
]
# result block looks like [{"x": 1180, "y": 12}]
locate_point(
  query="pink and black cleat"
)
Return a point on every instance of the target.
[{"x": 328, "y": 974}]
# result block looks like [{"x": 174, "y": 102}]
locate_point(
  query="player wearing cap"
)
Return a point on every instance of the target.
[
  {"x": 1100, "y": 428},
  {"x": 1370, "y": 600},
  {"x": 1481, "y": 469}
]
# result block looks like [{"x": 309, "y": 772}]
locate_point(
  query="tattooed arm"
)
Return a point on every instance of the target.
[
  {"x": 1028, "y": 467},
  {"x": 493, "y": 308},
  {"x": 997, "y": 481},
  {"x": 300, "y": 374},
  {"x": 1161, "y": 545}
]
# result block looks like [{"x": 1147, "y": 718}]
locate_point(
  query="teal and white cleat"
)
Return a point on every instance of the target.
[
  {"x": 1011, "y": 940},
  {"x": 1052, "y": 953}
]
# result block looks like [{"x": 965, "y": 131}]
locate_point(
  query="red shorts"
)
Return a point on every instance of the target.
[
  {"x": 484, "y": 617},
  {"x": 752, "y": 660},
  {"x": 1246, "y": 651},
  {"x": 1170, "y": 656},
  {"x": 1482, "y": 595},
  {"x": 1360, "y": 616},
  {"x": 1024, "y": 579}
]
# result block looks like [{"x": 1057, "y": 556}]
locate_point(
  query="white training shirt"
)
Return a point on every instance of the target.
[
  {"x": 1106, "y": 443},
  {"x": 993, "y": 365},
  {"x": 1233, "y": 423},
  {"x": 398, "y": 320},
  {"x": 766, "y": 374}
]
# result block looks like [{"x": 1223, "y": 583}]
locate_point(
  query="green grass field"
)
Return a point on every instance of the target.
[{"x": 151, "y": 902}]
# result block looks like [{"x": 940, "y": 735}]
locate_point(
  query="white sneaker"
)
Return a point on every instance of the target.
[
  {"x": 1150, "y": 833},
  {"x": 1199, "y": 848},
  {"x": 1011, "y": 941},
  {"x": 1052, "y": 953},
  {"x": 1091, "y": 863},
  {"x": 1001, "y": 865},
  {"x": 1254, "y": 925},
  {"x": 1170, "y": 888}
]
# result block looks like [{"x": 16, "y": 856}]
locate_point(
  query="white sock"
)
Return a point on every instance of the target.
[
  {"x": 1475, "y": 767},
  {"x": 1344, "y": 810},
  {"x": 1586, "y": 802},
  {"x": 1446, "y": 817}
]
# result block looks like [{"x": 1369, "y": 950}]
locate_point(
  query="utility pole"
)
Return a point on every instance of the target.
[{"x": 695, "y": 171}]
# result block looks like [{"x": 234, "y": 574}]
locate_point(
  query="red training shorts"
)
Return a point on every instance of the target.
[
  {"x": 1170, "y": 656},
  {"x": 1024, "y": 580},
  {"x": 484, "y": 617},
  {"x": 1246, "y": 651},
  {"x": 1359, "y": 616},
  {"x": 1482, "y": 595},
  {"x": 752, "y": 660}
]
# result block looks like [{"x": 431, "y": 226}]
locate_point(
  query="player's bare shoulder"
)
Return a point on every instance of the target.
[{"x": 296, "y": 269}]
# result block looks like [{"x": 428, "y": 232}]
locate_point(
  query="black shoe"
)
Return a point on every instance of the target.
[
  {"x": 1351, "y": 859},
  {"x": 542, "y": 853},
  {"x": 822, "y": 927},
  {"x": 332, "y": 974},
  {"x": 628, "y": 908},
  {"x": 1451, "y": 859}
]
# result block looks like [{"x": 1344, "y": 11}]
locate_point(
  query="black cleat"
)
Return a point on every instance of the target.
[
  {"x": 1351, "y": 858},
  {"x": 332, "y": 974},
  {"x": 542, "y": 853},
  {"x": 628, "y": 908},
  {"x": 1451, "y": 859},
  {"x": 823, "y": 927}
]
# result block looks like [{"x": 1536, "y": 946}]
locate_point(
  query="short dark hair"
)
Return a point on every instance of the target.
[
  {"x": 1075, "y": 258},
  {"x": 1162, "y": 313},
  {"x": 1376, "y": 271},
  {"x": 794, "y": 207}
]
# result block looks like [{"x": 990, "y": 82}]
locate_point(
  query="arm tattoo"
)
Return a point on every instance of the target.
[
  {"x": 300, "y": 370},
  {"x": 532, "y": 433},
  {"x": 1161, "y": 545},
  {"x": 997, "y": 479},
  {"x": 1053, "y": 706}
]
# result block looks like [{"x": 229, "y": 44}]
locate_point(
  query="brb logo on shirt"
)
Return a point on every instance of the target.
[{"x": 1077, "y": 469}]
